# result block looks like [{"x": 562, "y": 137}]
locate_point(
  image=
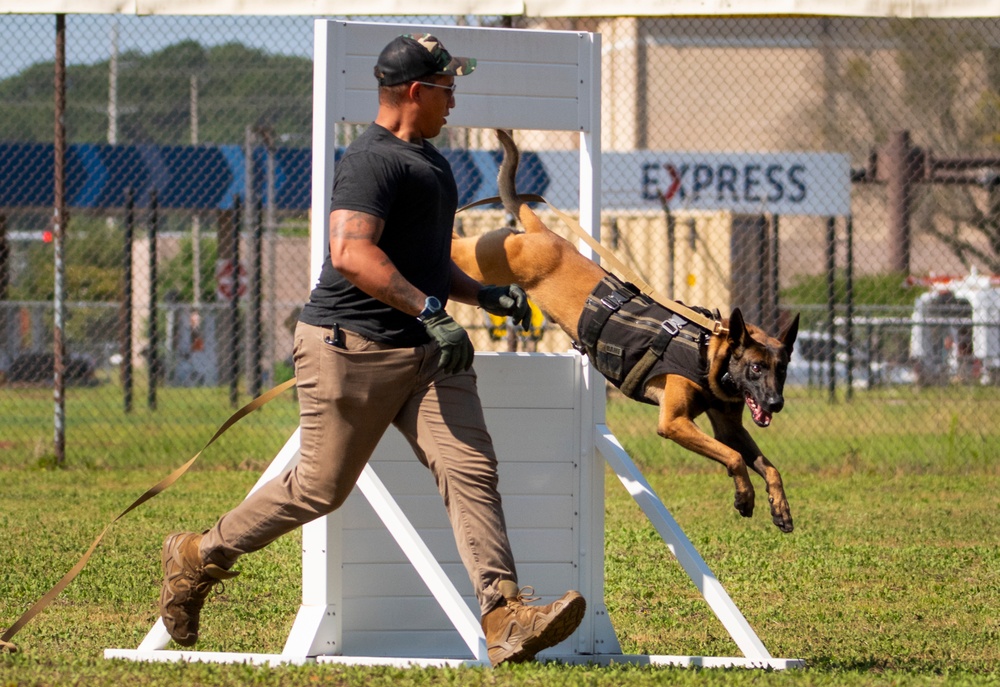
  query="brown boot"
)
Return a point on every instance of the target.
[
  {"x": 516, "y": 632},
  {"x": 186, "y": 583}
]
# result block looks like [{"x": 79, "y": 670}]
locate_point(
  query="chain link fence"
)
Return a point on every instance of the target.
[{"x": 847, "y": 169}]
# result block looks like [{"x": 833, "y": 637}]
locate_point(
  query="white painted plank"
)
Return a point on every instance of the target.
[
  {"x": 553, "y": 511},
  {"x": 530, "y": 545},
  {"x": 680, "y": 661},
  {"x": 521, "y": 81},
  {"x": 490, "y": 81},
  {"x": 397, "y": 661},
  {"x": 529, "y": 381},
  {"x": 203, "y": 657},
  {"x": 424, "y": 563},
  {"x": 538, "y": 438},
  {"x": 397, "y": 580},
  {"x": 406, "y": 477},
  {"x": 423, "y": 644}
]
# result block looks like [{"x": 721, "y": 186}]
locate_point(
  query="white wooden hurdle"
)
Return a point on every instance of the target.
[{"x": 361, "y": 601}]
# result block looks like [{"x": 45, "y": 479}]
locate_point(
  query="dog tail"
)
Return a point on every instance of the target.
[{"x": 508, "y": 189}]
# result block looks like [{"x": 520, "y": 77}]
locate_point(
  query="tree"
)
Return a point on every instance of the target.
[
  {"x": 943, "y": 85},
  {"x": 237, "y": 86}
]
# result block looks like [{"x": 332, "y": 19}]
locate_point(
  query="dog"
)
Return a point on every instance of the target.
[{"x": 742, "y": 366}]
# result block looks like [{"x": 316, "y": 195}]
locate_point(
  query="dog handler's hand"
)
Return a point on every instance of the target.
[
  {"x": 456, "y": 348},
  {"x": 506, "y": 301}
]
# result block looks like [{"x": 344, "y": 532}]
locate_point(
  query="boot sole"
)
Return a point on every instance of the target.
[{"x": 559, "y": 628}]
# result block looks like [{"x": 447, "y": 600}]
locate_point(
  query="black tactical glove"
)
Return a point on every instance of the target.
[
  {"x": 456, "y": 348},
  {"x": 506, "y": 301}
]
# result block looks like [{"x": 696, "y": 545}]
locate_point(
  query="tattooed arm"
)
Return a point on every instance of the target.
[{"x": 355, "y": 254}]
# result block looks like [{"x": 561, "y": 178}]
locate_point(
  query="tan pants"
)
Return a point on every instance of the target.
[{"x": 348, "y": 396}]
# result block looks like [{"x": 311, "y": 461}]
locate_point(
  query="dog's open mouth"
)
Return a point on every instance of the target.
[{"x": 760, "y": 416}]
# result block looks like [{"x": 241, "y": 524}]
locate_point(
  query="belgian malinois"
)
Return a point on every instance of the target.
[{"x": 745, "y": 366}]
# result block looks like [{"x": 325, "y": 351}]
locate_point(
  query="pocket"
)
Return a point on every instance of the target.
[
  {"x": 610, "y": 361},
  {"x": 354, "y": 343}
]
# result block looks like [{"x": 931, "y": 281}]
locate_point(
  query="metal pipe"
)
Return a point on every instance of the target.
[
  {"x": 831, "y": 303},
  {"x": 761, "y": 245},
  {"x": 901, "y": 173},
  {"x": 270, "y": 231},
  {"x": 152, "y": 351},
  {"x": 775, "y": 273},
  {"x": 849, "y": 306},
  {"x": 234, "y": 305},
  {"x": 671, "y": 249},
  {"x": 59, "y": 245},
  {"x": 127, "y": 292},
  {"x": 254, "y": 314},
  {"x": 963, "y": 163}
]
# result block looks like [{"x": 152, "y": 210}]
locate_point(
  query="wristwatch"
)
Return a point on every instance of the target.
[{"x": 432, "y": 306}]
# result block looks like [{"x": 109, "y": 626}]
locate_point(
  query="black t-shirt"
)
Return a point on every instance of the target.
[{"x": 412, "y": 188}]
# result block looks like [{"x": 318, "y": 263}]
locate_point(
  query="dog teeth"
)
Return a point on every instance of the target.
[{"x": 760, "y": 416}]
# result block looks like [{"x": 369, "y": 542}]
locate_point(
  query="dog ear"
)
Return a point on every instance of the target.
[
  {"x": 787, "y": 337},
  {"x": 737, "y": 328}
]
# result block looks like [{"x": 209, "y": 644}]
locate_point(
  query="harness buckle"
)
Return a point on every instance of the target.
[
  {"x": 671, "y": 326},
  {"x": 614, "y": 301}
]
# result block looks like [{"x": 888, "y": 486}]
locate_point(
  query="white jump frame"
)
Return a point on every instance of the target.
[{"x": 565, "y": 97}]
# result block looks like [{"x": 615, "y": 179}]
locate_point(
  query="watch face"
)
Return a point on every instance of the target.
[{"x": 431, "y": 306}]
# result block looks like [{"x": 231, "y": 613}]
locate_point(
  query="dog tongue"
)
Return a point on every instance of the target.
[{"x": 760, "y": 416}]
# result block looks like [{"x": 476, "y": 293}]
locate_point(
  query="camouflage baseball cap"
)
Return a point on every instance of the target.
[{"x": 413, "y": 56}]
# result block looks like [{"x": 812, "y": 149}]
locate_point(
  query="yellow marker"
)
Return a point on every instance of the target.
[{"x": 498, "y": 325}]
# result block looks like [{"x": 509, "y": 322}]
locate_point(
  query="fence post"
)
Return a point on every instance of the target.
[
  {"x": 127, "y": 292},
  {"x": 849, "y": 306},
  {"x": 234, "y": 305},
  {"x": 831, "y": 303},
  {"x": 254, "y": 314},
  {"x": 152, "y": 351},
  {"x": 671, "y": 222},
  {"x": 775, "y": 274},
  {"x": 903, "y": 170},
  {"x": 5, "y": 313},
  {"x": 59, "y": 247}
]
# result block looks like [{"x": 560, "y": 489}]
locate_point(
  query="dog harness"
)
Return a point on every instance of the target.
[{"x": 630, "y": 338}]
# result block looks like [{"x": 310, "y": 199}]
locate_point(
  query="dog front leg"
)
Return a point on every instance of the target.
[
  {"x": 728, "y": 428},
  {"x": 676, "y": 424},
  {"x": 781, "y": 513}
]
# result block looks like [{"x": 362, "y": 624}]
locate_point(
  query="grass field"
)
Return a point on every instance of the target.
[{"x": 892, "y": 576}]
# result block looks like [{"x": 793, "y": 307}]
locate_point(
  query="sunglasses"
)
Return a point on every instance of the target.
[{"x": 450, "y": 88}]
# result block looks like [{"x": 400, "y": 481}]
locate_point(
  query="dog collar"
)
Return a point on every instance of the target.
[{"x": 728, "y": 383}]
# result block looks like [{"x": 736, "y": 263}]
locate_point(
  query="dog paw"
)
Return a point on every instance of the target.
[
  {"x": 781, "y": 516},
  {"x": 744, "y": 504},
  {"x": 783, "y": 522}
]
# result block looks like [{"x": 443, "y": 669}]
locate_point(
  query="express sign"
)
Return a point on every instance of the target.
[
  {"x": 780, "y": 183},
  {"x": 789, "y": 184}
]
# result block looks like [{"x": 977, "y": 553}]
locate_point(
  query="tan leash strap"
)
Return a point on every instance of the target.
[
  {"x": 159, "y": 487},
  {"x": 712, "y": 325}
]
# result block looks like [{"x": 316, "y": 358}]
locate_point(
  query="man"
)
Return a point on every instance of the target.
[{"x": 373, "y": 347}]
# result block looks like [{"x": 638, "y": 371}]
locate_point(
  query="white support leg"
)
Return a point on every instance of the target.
[
  {"x": 426, "y": 565},
  {"x": 678, "y": 543},
  {"x": 157, "y": 638}
]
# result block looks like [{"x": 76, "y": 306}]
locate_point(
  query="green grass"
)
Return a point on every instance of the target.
[
  {"x": 892, "y": 576},
  {"x": 100, "y": 434}
]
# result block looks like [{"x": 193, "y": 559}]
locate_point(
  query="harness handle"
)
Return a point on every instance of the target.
[{"x": 708, "y": 323}]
